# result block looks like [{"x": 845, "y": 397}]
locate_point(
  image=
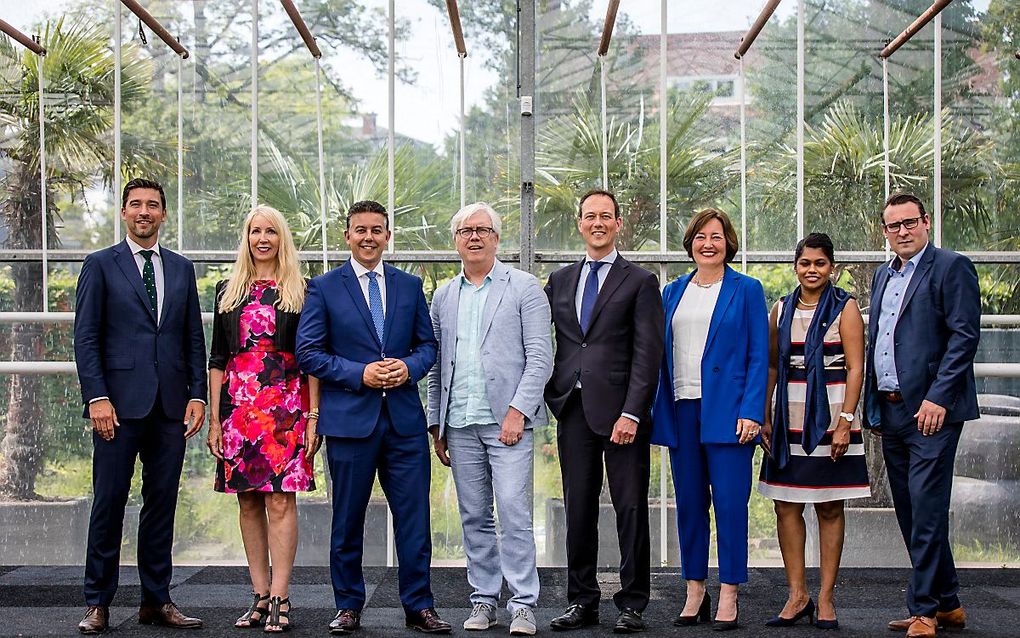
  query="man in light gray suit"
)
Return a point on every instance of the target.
[{"x": 485, "y": 396}]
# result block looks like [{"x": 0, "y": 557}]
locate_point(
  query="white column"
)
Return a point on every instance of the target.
[
  {"x": 800, "y": 119},
  {"x": 116, "y": 119},
  {"x": 937, "y": 142},
  {"x": 42, "y": 192},
  {"x": 463, "y": 134},
  {"x": 254, "y": 102},
  {"x": 663, "y": 132},
  {"x": 180, "y": 153},
  {"x": 605, "y": 124},
  {"x": 743, "y": 169},
  {"x": 391, "y": 141},
  {"x": 322, "y": 163}
]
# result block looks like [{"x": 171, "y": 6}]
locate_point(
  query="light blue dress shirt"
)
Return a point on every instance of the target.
[
  {"x": 889, "y": 314},
  {"x": 469, "y": 404}
]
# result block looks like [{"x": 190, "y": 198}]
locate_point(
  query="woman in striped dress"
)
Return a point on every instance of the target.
[{"x": 813, "y": 439}]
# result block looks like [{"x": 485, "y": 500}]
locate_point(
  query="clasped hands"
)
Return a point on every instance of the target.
[{"x": 385, "y": 374}]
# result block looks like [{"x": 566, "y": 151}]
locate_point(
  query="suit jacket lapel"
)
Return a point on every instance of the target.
[
  {"x": 881, "y": 279},
  {"x": 170, "y": 273},
  {"x": 391, "y": 299},
  {"x": 729, "y": 288},
  {"x": 500, "y": 281},
  {"x": 617, "y": 273},
  {"x": 573, "y": 275},
  {"x": 126, "y": 262},
  {"x": 923, "y": 266},
  {"x": 358, "y": 297}
]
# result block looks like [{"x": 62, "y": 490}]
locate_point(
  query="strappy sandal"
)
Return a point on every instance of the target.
[
  {"x": 273, "y": 624},
  {"x": 256, "y": 613}
]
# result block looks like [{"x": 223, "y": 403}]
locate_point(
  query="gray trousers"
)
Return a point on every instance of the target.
[{"x": 482, "y": 468}]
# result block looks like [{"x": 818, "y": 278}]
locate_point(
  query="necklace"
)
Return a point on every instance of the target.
[
  {"x": 697, "y": 281},
  {"x": 801, "y": 301}
]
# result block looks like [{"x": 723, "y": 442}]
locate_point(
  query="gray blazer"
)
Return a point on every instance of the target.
[{"x": 516, "y": 346}]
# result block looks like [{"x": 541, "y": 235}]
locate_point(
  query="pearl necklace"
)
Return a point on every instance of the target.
[{"x": 697, "y": 281}]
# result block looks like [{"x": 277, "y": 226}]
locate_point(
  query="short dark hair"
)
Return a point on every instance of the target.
[
  {"x": 820, "y": 241},
  {"x": 367, "y": 206},
  {"x": 604, "y": 193},
  {"x": 698, "y": 222},
  {"x": 141, "y": 182},
  {"x": 903, "y": 198}
]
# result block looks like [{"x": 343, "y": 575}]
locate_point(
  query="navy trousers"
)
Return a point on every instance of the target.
[
  {"x": 921, "y": 479},
  {"x": 159, "y": 441},
  {"x": 405, "y": 472},
  {"x": 707, "y": 474}
]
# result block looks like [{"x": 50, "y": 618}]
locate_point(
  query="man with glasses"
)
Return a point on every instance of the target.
[
  {"x": 923, "y": 331},
  {"x": 485, "y": 397}
]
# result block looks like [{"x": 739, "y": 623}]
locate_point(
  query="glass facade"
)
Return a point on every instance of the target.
[{"x": 668, "y": 110}]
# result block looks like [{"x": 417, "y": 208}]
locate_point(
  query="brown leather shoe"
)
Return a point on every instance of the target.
[
  {"x": 956, "y": 619},
  {"x": 96, "y": 620},
  {"x": 427, "y": 621},
  {"x": 167, "y": 615},
  {"x": 921, "y": 627}
]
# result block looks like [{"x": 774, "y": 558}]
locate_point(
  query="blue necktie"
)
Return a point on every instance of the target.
[
  {"x": 591, "y": 294},
  {"x": 375, "y": 303}
]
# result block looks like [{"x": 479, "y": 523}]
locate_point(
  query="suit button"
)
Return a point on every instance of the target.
[
  {"x": 584, "y": 345},
  {"x": 155, "y": 363},
  {"x": 715, "y": 369}
]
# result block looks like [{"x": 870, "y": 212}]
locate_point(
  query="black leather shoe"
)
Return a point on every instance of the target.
[
  {"x": 96, "y": 620},
  {"x": 347, "y": 621},
  {"x": 807, "y": 611},
  {"x": 629, "y": 621},
  {"x": 427, "y": 621},
  {"x": 167, "y": 615},
  {"x": 704, "y": 614},
  {"x": 575, "y": 617}
]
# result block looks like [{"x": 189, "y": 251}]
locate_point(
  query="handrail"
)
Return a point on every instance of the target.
[
  {"x": 756, "y": 27},
  {"x": 156, "y": 27},
  {"x": 915, "y": 26},
  {"x": 299, "y": 23},
  {"x": 26, "y": 41},
  {"x": 607, "y": 27},
  {"x": 458, "y": 33}
]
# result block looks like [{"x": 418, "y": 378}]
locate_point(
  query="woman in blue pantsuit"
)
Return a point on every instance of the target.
[{"x": 709, "y": 408}]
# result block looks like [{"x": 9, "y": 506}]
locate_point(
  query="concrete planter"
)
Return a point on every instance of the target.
[{"x": 44, "y": 532}]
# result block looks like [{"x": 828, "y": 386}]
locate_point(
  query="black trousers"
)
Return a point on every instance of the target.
[
  {"x": 583, "y": 453},
  {"x": 159, "y": 441}
]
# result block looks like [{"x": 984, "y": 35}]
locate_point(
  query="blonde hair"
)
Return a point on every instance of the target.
[{"x": 290, "y": 284}]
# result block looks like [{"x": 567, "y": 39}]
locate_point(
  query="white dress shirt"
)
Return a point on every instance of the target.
[
  {"x": 157, "y": 268},
  {"x": 691, "y": 321},
  {"x": 362, "y": 274}
]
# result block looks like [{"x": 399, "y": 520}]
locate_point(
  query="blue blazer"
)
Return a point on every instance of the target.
[
  {"x": 936, "y": 337},
  {"x": 336, "y": 340},
  {"x": 119, "y": 349},
  {"x": 734, "y": 368}
]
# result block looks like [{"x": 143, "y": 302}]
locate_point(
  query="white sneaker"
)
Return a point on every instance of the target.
[
  {"x": 523, "y": 622},
  {"x": 482, "y": 617}
]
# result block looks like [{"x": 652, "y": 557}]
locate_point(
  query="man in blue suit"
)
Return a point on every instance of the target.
[
  {"x": 923, "y": 332},
  {"x": 366, "y": 334},
  {"x": 140, "y": 354}
]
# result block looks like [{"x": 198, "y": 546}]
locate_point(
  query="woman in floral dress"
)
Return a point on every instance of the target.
[{"x": 263, "y": 410}]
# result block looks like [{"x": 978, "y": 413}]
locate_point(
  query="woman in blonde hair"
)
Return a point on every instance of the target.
[{"x": 263, "y": 411}]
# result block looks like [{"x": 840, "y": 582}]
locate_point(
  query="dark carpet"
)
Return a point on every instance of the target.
[{"x": 46, "y": 601}]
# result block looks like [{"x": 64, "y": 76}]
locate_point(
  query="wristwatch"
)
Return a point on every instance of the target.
[{"x": 849, "y": 416}]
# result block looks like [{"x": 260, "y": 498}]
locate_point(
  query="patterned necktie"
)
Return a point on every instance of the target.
[
  {"x": 591, "y": 293},
  {"x": 149, "y": 277},
  {"x": 375, "y": 303}
]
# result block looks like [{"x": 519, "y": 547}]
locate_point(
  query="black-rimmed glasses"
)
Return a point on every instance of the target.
[
  {"x": 909, "y": 224},
  {"x": 482, "y": 231}
]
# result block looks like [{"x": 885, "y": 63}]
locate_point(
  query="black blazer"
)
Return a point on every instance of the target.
[
  {"x": 226, "y": 336},
  {"x": 617, "y": 360}
]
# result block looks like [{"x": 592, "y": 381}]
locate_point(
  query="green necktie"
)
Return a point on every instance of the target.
[{"x": 149, "y": 277}]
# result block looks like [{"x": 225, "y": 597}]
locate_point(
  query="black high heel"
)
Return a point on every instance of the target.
[
  {"x": 807, "y": 611},
  {"x": 273, "y": 624},
  {"x": 726, "y": 625},
  {"x": 704, "y": 613},
  {"x": 249, "y": 619}
]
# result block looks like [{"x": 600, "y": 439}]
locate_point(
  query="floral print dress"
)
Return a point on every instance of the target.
[{"x": 262, "y": 407}]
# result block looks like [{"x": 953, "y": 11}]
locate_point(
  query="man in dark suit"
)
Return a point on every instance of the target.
[
  {"x": 609, "y": 338},
  {"x": 140, "y": 353},
  {"x": 923, "y": 331},
  {"x": 366, "y": 333}
]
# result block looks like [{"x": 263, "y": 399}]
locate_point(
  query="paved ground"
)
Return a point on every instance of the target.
[{"x": 45, "y": 601}]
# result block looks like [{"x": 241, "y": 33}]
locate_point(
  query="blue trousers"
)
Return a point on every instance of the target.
[
  {"x": 404, "y": 469},
  {"x": 704, "y": 475},
  {"x": 921, "y": 480}
]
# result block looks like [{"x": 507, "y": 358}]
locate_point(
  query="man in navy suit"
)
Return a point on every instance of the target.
[
  {"x": 140, "y": 353},
  {"x": 366, "y": 334},
  {"x": 923, "y": 329}
]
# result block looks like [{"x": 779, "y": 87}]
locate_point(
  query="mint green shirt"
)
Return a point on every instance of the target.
[{"x": 468, "y": 403}]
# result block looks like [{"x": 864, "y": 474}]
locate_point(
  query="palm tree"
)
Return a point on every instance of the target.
[{"x": 79, "y": 70}]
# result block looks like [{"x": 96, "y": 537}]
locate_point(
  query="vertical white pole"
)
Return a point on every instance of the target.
[
  {"x": 254, "y": 102},
  {"x": 800, "y": 119},
  {"x": 663, "y": 247},
  {"x": 322, "y": 163},
  {"x": 743, "y": 169},
  {"x": 180, "y": 154},
  {"x": 605, "y": 124},
  {"x": 463, "y": 143},
  {"x": 42, "y": 193},
  {"x": 391, "y": 141},
  {"x": 937, "y": 186},
  {"x": 886, "y": 132},
  {"x": 116, "y": 119}
]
